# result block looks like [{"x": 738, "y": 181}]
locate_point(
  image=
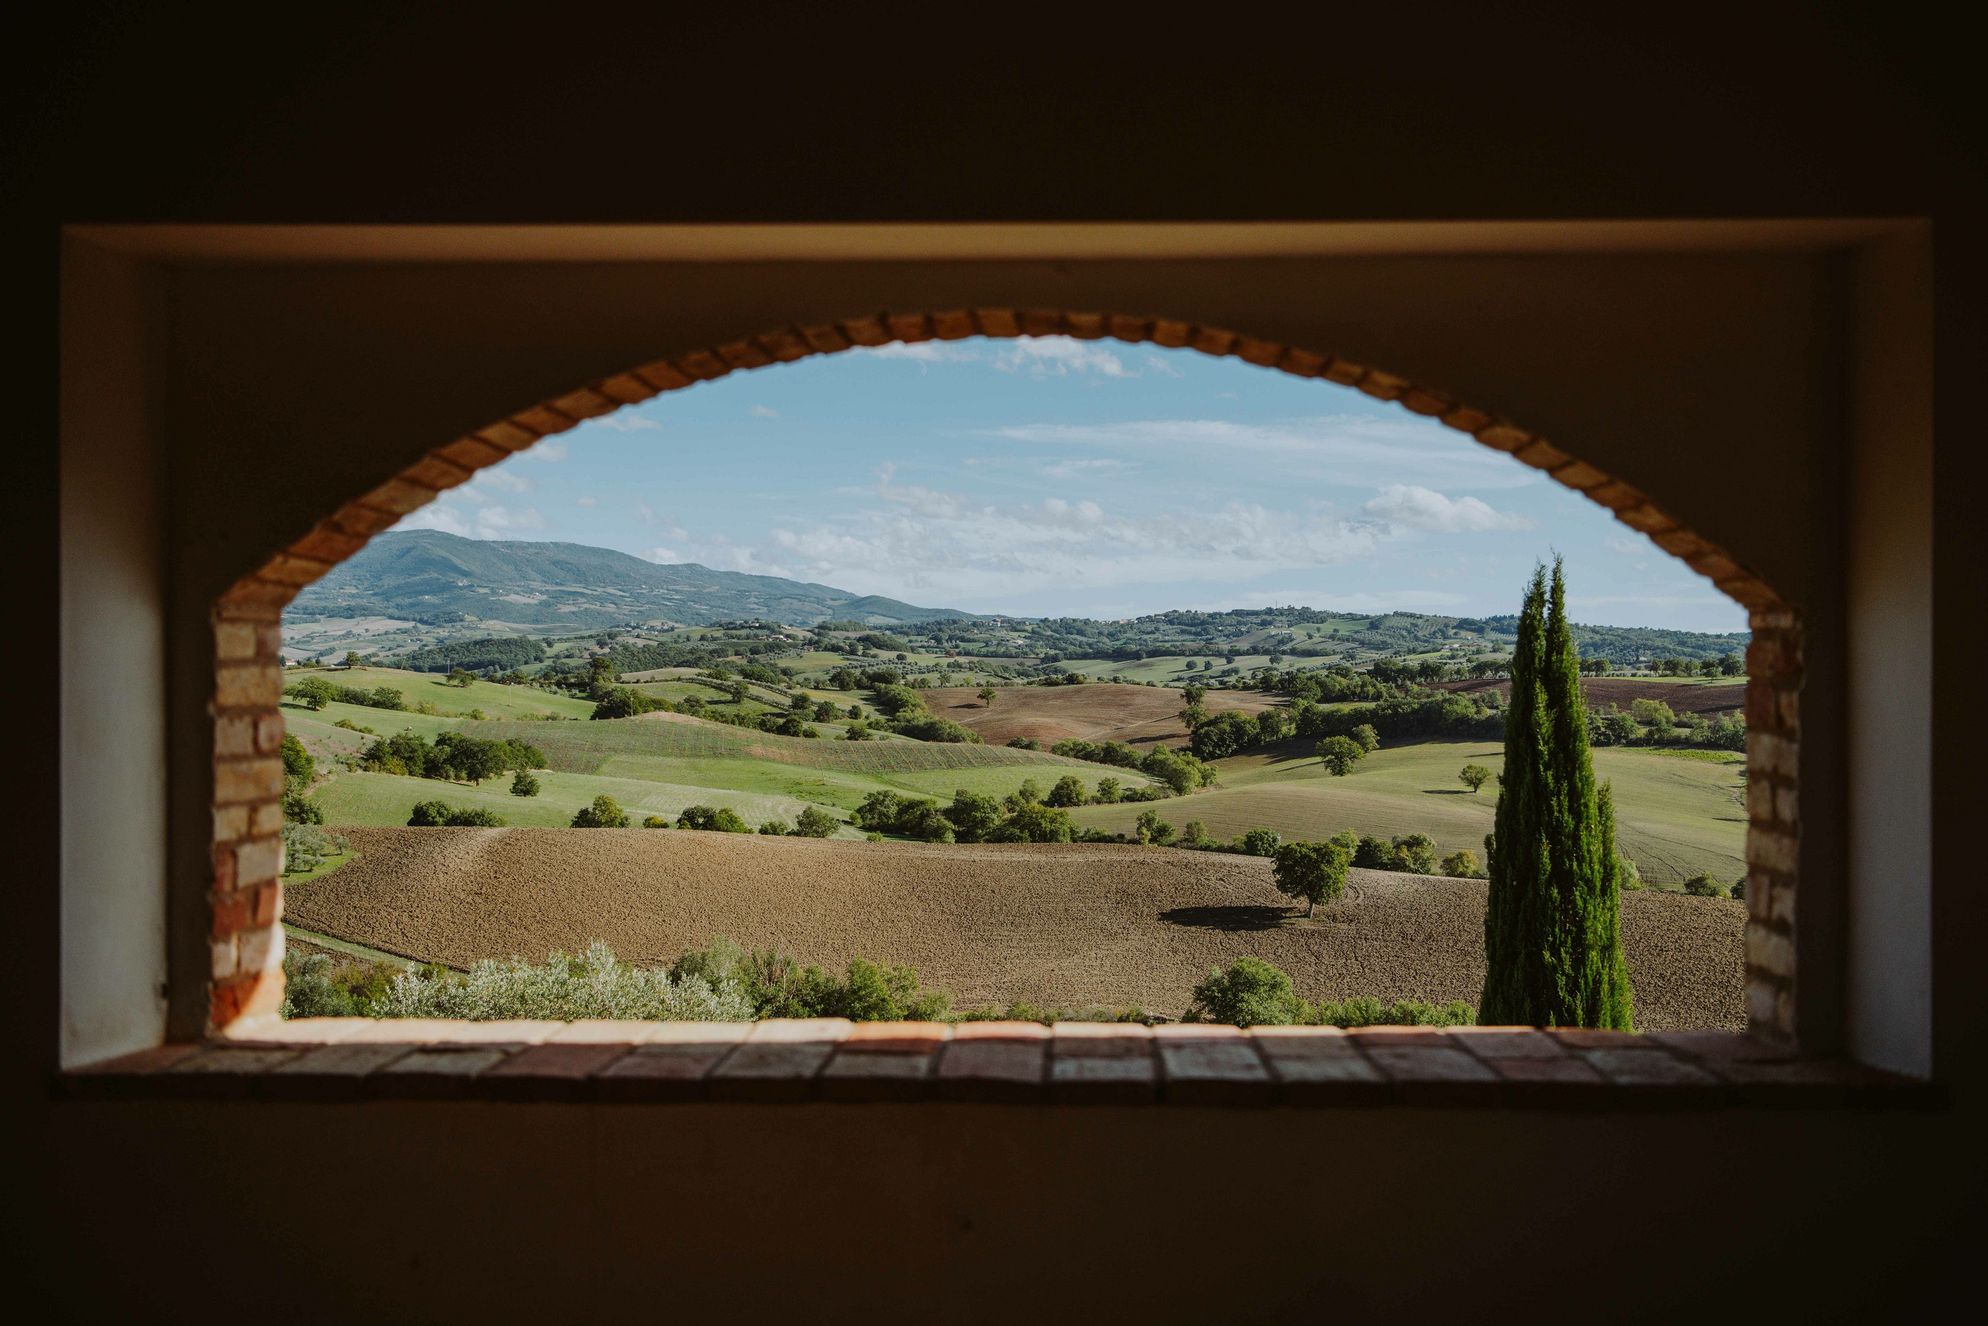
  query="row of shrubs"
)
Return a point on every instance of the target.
[
  {"x": 1253, "y": 993},
  {"x": 604, "y": 812},
  {"x": 719, "y": 983},
  {"x": 725, "y": 982},
  {"x": 972, "y": 817},
  {"x": 451, "y": 755},
  {"x": 1180, "y": 771}
]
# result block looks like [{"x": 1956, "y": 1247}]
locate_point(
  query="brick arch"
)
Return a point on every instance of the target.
[{"x": 246, "y": 892}]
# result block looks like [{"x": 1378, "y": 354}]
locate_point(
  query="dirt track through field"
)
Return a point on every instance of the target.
[{"x": 1064, "y": 925}]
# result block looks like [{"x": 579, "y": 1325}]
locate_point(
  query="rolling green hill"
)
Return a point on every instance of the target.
[
  {"x": 432, "y": 577},
  {"x": 1677, "y": 813}
]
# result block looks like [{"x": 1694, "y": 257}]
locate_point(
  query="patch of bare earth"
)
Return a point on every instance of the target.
[
  {"x": 1095, "y": 711},
  {"x": 1069, "y": 926}
]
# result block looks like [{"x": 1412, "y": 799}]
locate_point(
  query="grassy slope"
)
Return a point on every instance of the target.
[
  {"x": 494, "y": 699},
  {"x": 1675, "y": 816},
  {"x": 387, "y": 799},
  {"x": 660, "y": 765},
  {"x": 585, "y": 747}
]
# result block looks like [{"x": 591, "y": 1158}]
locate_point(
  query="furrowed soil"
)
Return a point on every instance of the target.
[
  {"x": 1069, "y": 926},
  {"x": 1096, "y": 711}
]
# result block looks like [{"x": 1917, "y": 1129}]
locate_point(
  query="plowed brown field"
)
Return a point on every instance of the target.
[
  {"x": 1099, "y": 711},
  {"x": 1063, "y": 925}
]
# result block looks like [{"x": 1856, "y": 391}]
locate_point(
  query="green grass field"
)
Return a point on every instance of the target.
[
  {"x": 1679, "y": 813},
  {"x": 494, "y": 699},
  {"x": 584, "y": 747},
  {"x": 386, "y": 799},
  {"x": 659, "y": 766},
  {"x": 1675, "y": 817}
]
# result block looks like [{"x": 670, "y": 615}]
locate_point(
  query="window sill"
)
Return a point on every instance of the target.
[{"x": 346, "y": 1059}]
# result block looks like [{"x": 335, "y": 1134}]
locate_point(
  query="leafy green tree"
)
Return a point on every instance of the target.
[
  {"x": 775, "y": 829},
  {"x": 1250, "y": 993},
  {"x": 459, "y": 678},
  {"x": 1368, "y": 739},
  {"x": 1462, "y": 864},
  {"x": 1553, "y": 924},
  {"x": 1474, "y": 776},
  {"x": 878, "y": 812},
  {"x": 1259, "y": 842},
  {"x": 1194, "y": 835},
  {"x": 1315, "y": 872},
  {"x": 1273, "y": 726},
  {"x": 1415, "y": 853},
  {"x": 524, "y": 784},
  {"x": 1109, "y": 790},
  {"x": 721, "y": 819},
  {"x": 1705, "y": 886},
  {"x": 623, "y": 702},
  {"x": 298, "y": 766},
  {"x": 600, "y": 675},
  {"x": 1027, "y": 794},
  {"x": 300, "y": 809},
  {"x": 314, "y": 693},
  {"x": 986, "y": 694},
  {"x": 1035, "y": 822},
  {"x": 352, "y": 659},
  {"x": 1371, "y": 853},
  {"x": 655, "y": 822},
  {"x": 1339, "y": 755},
  {"x": 1068, "y": 791},
  {"x": 604, "y": 813},
  {"x": 974, "y": 816},
  {"x": 814, "y": 822},
  {"x": 1151, "y": 829}
]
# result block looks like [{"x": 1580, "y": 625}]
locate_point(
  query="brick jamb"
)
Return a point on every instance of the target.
[{"x": 246, "y": 888}]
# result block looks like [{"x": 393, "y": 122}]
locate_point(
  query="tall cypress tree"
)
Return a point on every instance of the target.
[{"x": 1553, "y": 926}]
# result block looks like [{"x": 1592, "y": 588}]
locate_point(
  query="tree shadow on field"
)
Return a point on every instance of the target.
[
  {"x": 1240, "y": 917},
  {"x": 1447, "y": 792}
]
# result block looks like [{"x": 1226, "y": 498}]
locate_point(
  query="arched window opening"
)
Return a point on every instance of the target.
[{"x": 1016, "y": 618}]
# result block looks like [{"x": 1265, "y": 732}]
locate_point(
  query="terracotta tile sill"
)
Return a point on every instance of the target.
[{"x": 350, "y": 1059}]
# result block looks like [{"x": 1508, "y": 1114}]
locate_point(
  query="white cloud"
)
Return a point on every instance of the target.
[
  {"x": 624, "y": 421},
  {"x": 912, "y": 540},
  {"x": 1092, "y": 466},
  {"x": 1060, "y": 356},
  {"x": 1333, "y": 448},
  {"x": 645, "y": 513},
  {"x": 1626, "y": 544},
  {"x": 1411, "y": 506},
  {"x": 501, "y": 480},
  {"x": 1166, "y": 368},
  {"x": 586, "y": 501},
  {"x": 922, "y": 353},
  {"x": 762, "y": 412},
  {"x": 548, "y": 452},
  {"x": 486, "y": 521},
  {"x": 663, "y": 555}
]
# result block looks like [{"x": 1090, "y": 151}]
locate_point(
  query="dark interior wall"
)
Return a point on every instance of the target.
[
  {"x": 580, "y": 115},
  {"x": 1709, "y": 380},
  {"x": 430, "y": 1212}
]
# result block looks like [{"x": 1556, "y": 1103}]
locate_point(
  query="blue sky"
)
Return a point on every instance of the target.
[{"x": 1085, "y": 478}]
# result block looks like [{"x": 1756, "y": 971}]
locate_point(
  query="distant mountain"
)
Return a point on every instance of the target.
[{"x": 435, "y": 578}]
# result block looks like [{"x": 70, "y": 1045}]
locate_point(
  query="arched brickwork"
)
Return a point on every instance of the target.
[{"x": 246, "y": 974}]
